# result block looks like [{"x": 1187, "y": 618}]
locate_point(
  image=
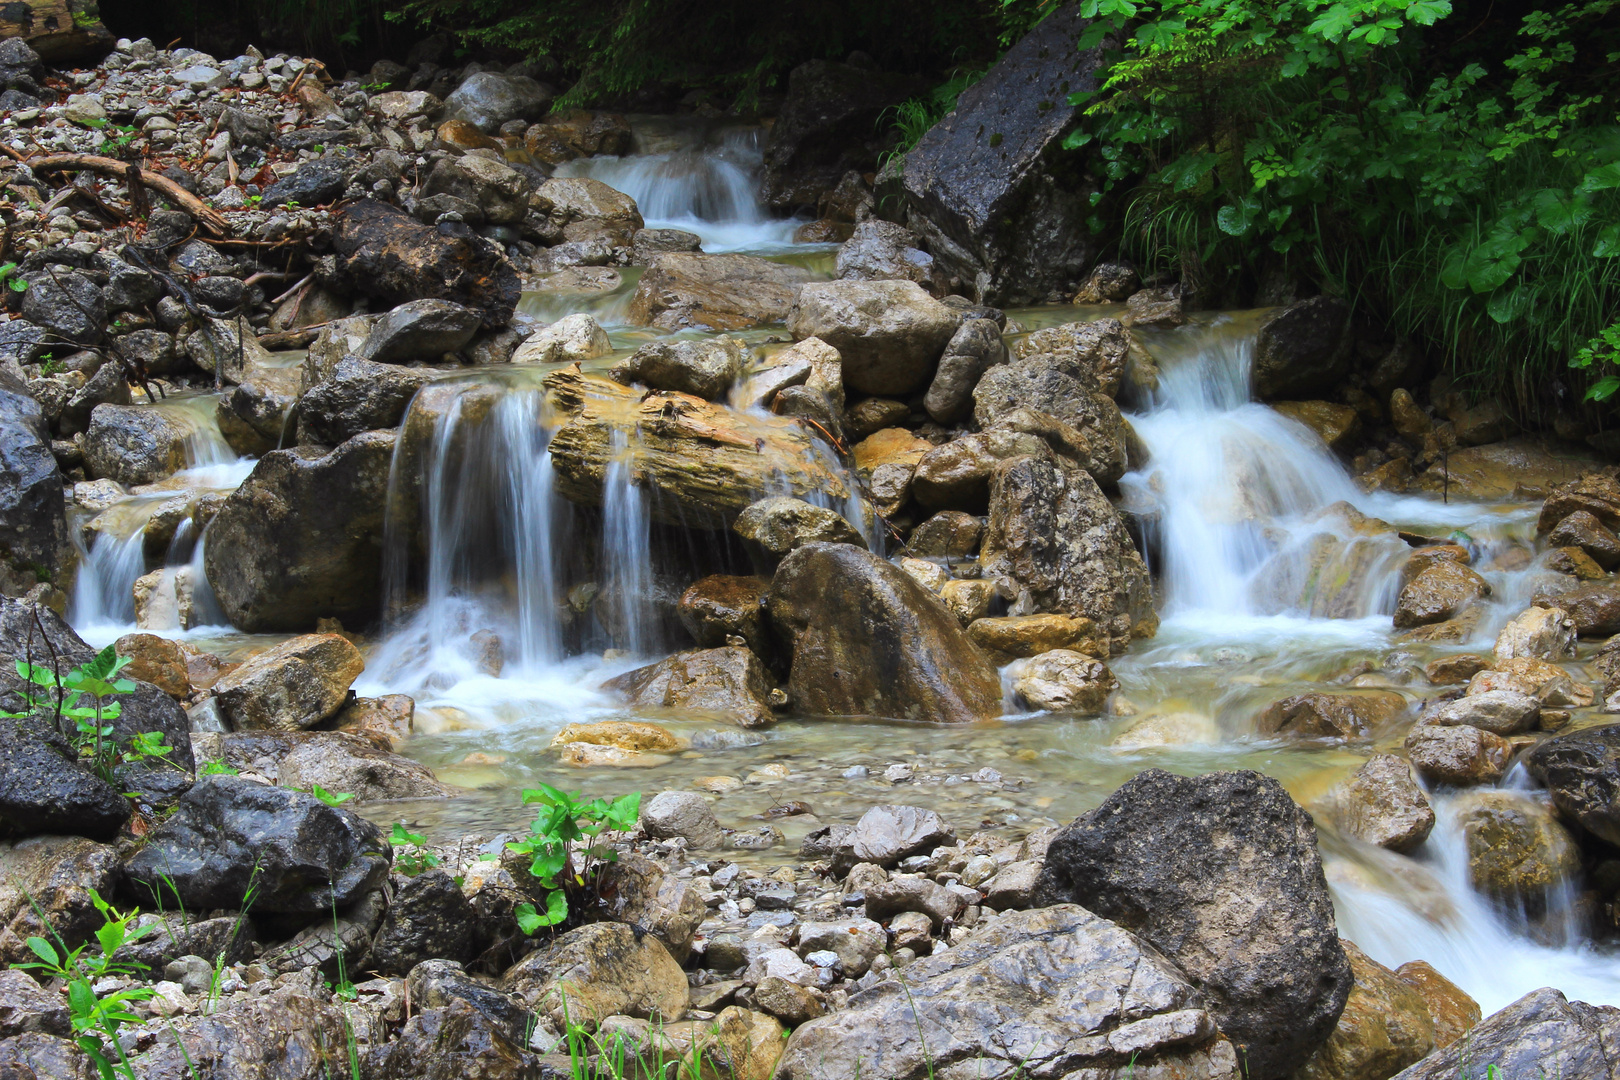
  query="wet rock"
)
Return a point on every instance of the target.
[
  {"x": 449, "y": 1043},
  {"x": 1504, "y": 712},
  {"x": 1382, "y": 804},
  {"x": 977, "y": 1003},
  {"x": 106, "y": 386},
  {"x": 385, "y": 254},
  {"x": 33, "y": 526},
  {"x": 571, "y": 339},
  {"x": 1064, "y": 680},
  {"x": 857, "y": 942},
  {"x": 583, "y": 210},
  {"x": 1333, "y": 716},
  {"x": 1594, "y": 606},
  {"x": 1539, "y": 633},
  {"x": 500, "y": 192},
  {"x": 1576, "y": 563},
  {"x": 1009, "y": 637},
  {"x": 253, "y": 416},
  {"x": 1108, "y": 283},
  {"x": 1517, "y": 850},
  {"x": 1581, "y": 770},
  {"x": 880, "y": 250},
  {"x": 434, "y": 984},
  {"x": 1457, "y": 755},
  {"x": 163, "y": 663},
  {"x": 706, "y": 369},
  {"x": 720, "y": 606},
  {"x": 1596, "y": 493},
  {"x": 292, "y": 686},
  {"x": 702, "y": 462},
  {"x": 648, "y": 244},
  {"x": 950, "y": 534},
  {"x": 1095, "y": 352},
  {"x": 973, "y": 349},
  {"x": 1055, "y": 536},
  {"x": 488, "y": 100},
  {"x": 44, "y": 789},
  {"x": 27, "y": 1006},
  {"x": 1339, "y": 426},
  {"x": 314, "y": 183},
  {"x": 600, "y": 970},
  {"x": 1222, "y": 875},
  {"x": 134, "y": 444},
  {"x": 337, "y": 761},
  {"x": 229, "y": 833},
  {"x": 1541, "y": 1034},
  {"x": 728, "y": 680},
  {"x": 357, "y": 397},
  {"x": 889, "y": 334},
  {"x": 1385, "y": 1027},
  {"x": 429, "y": 919},
  {"x": 288, "y": 1033},
  {"x": 1583, "y": 530},
  {"x": 780, "y": 525},
  {"x": 1518, "y": 468},
  {"x": 969, "y": 601},
  {"x": 301, "y": 538},
  {"x": 681, "y": 813},
  {"x": 634, "y": 735},
  {"x": 1439, "y": 593},
  {"x": 871, "y": 415},
  {"x": 1302, "y": 349},
  {"x": 885, "y": 834},
  {"x": 1454, "y": 1013},
  {"x": 866, "y": 639},
  {"x": 53, "y": 875},
  {"x": 67, "y": 303},
  {"x": 420, "y": 330},
  {"x": 996, "y": 200},
  {"x": 1053, "y": 385},
  {"x": 652, "y": 898}
]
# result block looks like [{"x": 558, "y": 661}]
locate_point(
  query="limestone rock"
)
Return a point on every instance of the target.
[
  {"x": 682, "y": 290},
  {"x": 420, "y": 330},
  {"x": 359, "y": 396},
  {"x": 1064, "y": 680},
  {"x": 1457, "y": 755},
  {"x": 1058, "y": 385},
  {"x": 1540, "y": 1034},
  {"x": 1009, "y": 637},
  {"x": 1382, "y": 804},
  {"x": 728, "y": 680},
  {"x": 705, "y": 369},
  {"x": 1302, "y": 349},
  {"x": 889, "y": 334},
  {"x": 1341, "y": 716},
  {"x": 1540, "y": 633},
  {"x": 721, "y": 606},
  {"x": 600, "y": 970},
  {"x": 1504, "y": 712},
  {"x": 1581, "y": 770},
  {"x": 1385, "y": 1027},
  {"x": 1439, "y": 593},
  {"x": 292, "y": 686},
  {"x": 569, "y": 340},
  {"x": 135, "y": 444},
  {"x": 1517, "y": 850},
  {"x": 681, "y": 813}
]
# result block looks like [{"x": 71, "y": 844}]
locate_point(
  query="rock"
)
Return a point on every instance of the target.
[
  {"x": 950, "y": 534},
  {"x": 1108, "y": 283},
  {"x": 228, "y": 833},
  {"x": 1339, "y": 426},
  {"x": 584, "y": 210},
  {"x": 27, "y": 1006},
  {"x": 1057, "y": 539},
  {"x": 720, "y": 606},
  {"x": 654, "y": 899},
  {"x": 1383, "y": 805},
  {"x": 33, "y": 525},
  {"x": 1595, "y": 493},
  {"x": 1541, "y": 1034},
  {"x": 789, "y": 1002},
  {"x": 488, "y": 100},
  {"x": 571, "y": 339},
  {"x": 973, "y": 349},
  {"x": 1440, "y": 592},
  {"x": 728, "y": 680},
  {"x": 105, "y": 387},
  {"x": 135, "y": 444},
  {"x": 1221, "y": 874},
  {"x": 1593, "y": 606},
  {"x": 337, "y": 761},
  {"x": 600, "y": 970},
  {"x": 1581, "y": 770},
  {"x": 886, "y": 834},
  {"x": 867, "y": 640},
  {"x": 387, "y": 255},
  {"x": 994, "y": 197},
  {"x": 648, "y": 244},
  {"x": 1302, "y": 349},
  {"x": 701, "y": 462},
  {"x": 1056, "y": 388},
  {"x": 253, "y": 416},
  {"x": 451, "y": 1042},
  {"x": 969, "y": 601},
  {"x": 1517, "y": 851},
  {"x": 314, "y": 183},
  {"x": 357, "y": 397},
  {"x": 300, "y": 539},
  {"x": 1162, "y": 308},
  {"x": 1548, "y": 683},
  {"x": 979, "y": 1002},
  {"x": 1454, "y": 669},
  {"x": 44, "y": 789},
  {"x": 681, "y": 813},
  {"x": 54, "y": 875},
  {"x": 292, "y": 686},
  {"x": 1583, "y": 530},
  {"x": 1518, "y": 468},
  {"x": 1007, "y": 638},
  {"x": 1064, "y": 680},
  {"x": 1504, "y": 712},
  {"x": 880, "y": 250},
  {"x": 825, "y": 129},
  {"x": 1539, "y": 633},
  {"x": 623, "y": 734},
  {"x": 435, "y": 984},
  {"x": 1576, "y": 563},
  {"x": 1095, "y": 352},
  {"x": 1454, "y": 1013},
  {"x": 1385, "y": 1027},
  {"x": 1457, "y": 755},
  {"x": 500, "y": 192},
  {"x": 287, "y": 1032},
  {"x": 705, "y": 369},
  {"x": 67, "y": 303},
  {"x": 889, "y": 334},
  {"x": 777, "y": 526},
  {"x": 429, "y": 919},
  {"x": 159, "y": 661},
  {"x": 420, "y": 330},
  {"x": 857, "y": 942},
  {"x": 1330, "y": 716}
]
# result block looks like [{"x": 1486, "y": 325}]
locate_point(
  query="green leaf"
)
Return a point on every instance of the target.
[
  {"x": 330, "y": 798},
  {"x": 1601, "y": 178},
  {"x": 1507, "y": 305},
  {"x": 81, "y": 998},
  {"x": 44, "y": 950},
  {"x": 1604, "y": 388},
  {"x": 1608, "y": 242},
  {"x": 1232, "y": 221}
]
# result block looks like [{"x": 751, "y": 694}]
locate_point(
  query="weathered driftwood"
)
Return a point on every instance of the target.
[
  {"x": 210, "y": 218},
  {"x": 57, "y": 29}
]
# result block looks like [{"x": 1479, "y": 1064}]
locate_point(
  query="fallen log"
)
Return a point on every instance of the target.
[{"x": 210, "y": 218}]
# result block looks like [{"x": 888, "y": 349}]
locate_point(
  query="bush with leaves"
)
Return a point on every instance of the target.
[{"x": 564, "y": 849}]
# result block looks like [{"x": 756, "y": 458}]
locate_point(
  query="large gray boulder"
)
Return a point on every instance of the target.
[
  {"x": 990, "y": 191},
  {"x": 134, "y": 444},
  {"x": 1054, "y": 992},
  {"x": 706, "y": 369},
  {"x": 1221, "y": 874},
  {"x": 420, "y": 330},
  {"x": 1303, "y": 350},
  {"x": 1053, "y": 384},
  {"x": 487, "y": 100},
  {"x": 890, "y": 334},
  {"x": 1543, "y": 1034},
  {"x": 44, "y": 789},
  {"x": 301, "y": 539},
  {"x": 1582, "y": 771},
  {"x": 867, "y": 640},
  {"x": 500, "y": 192},
  {"x": 359, "y": 396},
  {"x": 684, "y": 290},
  {"x": 33, "y": 523}
]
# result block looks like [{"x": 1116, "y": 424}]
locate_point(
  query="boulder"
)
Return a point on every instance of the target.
[
  {"x": 949, "y": 534},
  {"x": 956, "y": 475},
  {"x": 1505, "y": 712},
  {"x": 1007, "y": 638},
  {"x": 880, "y": 250},
  {"x": 1052, "y": 385},
  {"x": 866, "y": 639},
  {"x": 1221, "y": 874},
  {"x": 53, "y": 876},
  {"x": 580, "y": 209},
  {"x": 1517, "y": 850},
  {"x": 420, "y": 330},
  {"x": 886, "y": 833},
  {"x": 487, "y": 100},
  {"x": 288, "y": 1033},
  {"x": 1541, "y": 1034},
  {"x": 570, "y": 340},
  {"x": 1302, "y": 349},
  {"x": 1440, "y": 592},
  {"x": 1057, "y": 991},
  {"x": 827, "y": 126},
  {"x": 135, "y": 444},
  {"x": 684, "y": 290},
  {"x": 681, "y": 813},
  {"x": 1330, "y": 716},
  {"x": 44, "y": 789},
  {"x": 719, "y": 607},
  {"x": 67, "y": 303},
  {"x": 973, "y": 349},
  {"x": 357, "y": 397},
  {"x": 451, "y": 1042},
  {"x": 654, "y": 898},
  {"x": 1385, "y": 1027},
  {"x": 292, "y": 686},
  {"x": 1596, "y": 493},
  {"x": 1454, "y": 1013},
  {"x": 597, "y": 971},
  {"x": 435, "y": 984},
  {"x": 1382, "y": 804},
  {"x": 1593, "y": 606},
  {"x": 300, "y": 539},
  {"x": 428, "y": 919},
  {"x": 314, "y": 183},
  {"x": 729, "y": 681},
  {"x": 228, "y": 349},
  {"x": 500, "y": 192},
  {"x": 252, "y": 418},
  {"x": 1055, "y": 537},
  {"x": 1581, "y": 770},
  {"x": 1064, "y": 680},
  {"x": 1519, "y": 468},
  {"x": 33, "y": 525},
  {"x": 889, "y": 334},
  {"x": 1339, "y": 426},
  {"x": 25, "y": 1005},
  {"x": 163, "y": 663},
  {"x": 389, "y": 256},
  {"x": 1537, "y": 633},
  {"x": 229, "y": 833},
  {"x": 990, "y": 190},
  {"x": 336, "y": 761},
  {"x": 1583, "y": 530},
  {"x": 1457, "y": 755},
  {"x": 705, "y": 369}
]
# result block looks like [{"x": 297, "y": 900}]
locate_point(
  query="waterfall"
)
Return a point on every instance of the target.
[{"x": 626, "y": 550}]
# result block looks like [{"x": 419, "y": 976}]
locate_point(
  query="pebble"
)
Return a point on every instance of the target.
[{"x": 898, "y": 774}]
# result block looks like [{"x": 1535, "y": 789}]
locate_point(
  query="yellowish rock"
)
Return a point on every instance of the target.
[
  {"x": 1013, "y": 636},
  {"x": 624, "y": 734}
]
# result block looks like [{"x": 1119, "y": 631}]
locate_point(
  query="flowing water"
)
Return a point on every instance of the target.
[{"x": 509, "y": 606}]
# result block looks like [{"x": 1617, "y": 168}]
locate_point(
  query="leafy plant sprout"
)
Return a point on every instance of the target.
[{"x": 567, "y": 827}]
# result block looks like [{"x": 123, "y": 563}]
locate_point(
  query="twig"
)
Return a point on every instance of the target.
[
  {"x": 212, "y": 219},
  {"x": 307, "y": 278}
]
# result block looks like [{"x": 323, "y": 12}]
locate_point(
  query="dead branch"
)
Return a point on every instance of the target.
[{"x": 211, "y": 219}]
